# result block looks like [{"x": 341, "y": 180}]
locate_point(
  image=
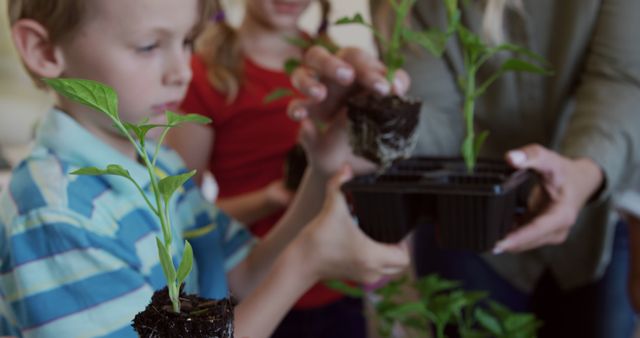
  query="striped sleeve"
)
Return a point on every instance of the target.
[
  {"x": 60, "y": 280},
  {"x": 218, "y": 242}
]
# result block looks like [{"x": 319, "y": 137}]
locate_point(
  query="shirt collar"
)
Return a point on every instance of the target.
[{"x": 73, "y": 143}]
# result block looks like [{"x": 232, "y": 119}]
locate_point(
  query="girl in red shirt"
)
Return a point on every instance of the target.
[{"x": 246, "y": 145}]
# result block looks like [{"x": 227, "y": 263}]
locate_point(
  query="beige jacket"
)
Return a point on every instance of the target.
[{"x": 589, "y": 108}]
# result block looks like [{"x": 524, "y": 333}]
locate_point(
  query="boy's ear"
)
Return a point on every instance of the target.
[{"x": 39, "y": 54}]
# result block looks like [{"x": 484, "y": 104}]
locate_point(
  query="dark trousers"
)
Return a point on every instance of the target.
[
  {"x": 341, "y": 319},
  {"x": 600, "y": 309}
]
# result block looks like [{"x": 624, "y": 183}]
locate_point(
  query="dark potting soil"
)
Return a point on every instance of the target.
[
  {"x": 383, "y": 128},
  {"x": 198, "y": 317}
]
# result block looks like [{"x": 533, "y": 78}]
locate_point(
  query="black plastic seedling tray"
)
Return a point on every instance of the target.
[{"x": 470, "y": 211}]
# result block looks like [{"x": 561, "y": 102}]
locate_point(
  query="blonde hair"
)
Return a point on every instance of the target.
[
  {"x": 221, "y": 51},
  {"x": 62, "y": 18}
]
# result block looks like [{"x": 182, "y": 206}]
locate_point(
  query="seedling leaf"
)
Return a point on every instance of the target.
[
  {"x": 90, "y": 93},
  {"x": 168, "y": 185},
  {"x": 166, "y": 261},
  {"x": 186, "y": 264},
  {"x": 278, "y": 94}
]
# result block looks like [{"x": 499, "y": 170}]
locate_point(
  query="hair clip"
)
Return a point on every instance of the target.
[{"x": 219, "y": 16}]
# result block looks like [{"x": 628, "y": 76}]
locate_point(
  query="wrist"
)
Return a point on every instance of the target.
[
  {"x": 300, "y": 256},
  {"x": 593, "y": 178}
]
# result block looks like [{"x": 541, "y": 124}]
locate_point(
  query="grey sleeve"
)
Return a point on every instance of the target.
[{"x": 605, "y": 125}]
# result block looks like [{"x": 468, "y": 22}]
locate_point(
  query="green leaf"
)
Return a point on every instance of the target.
[
  {"x": 479, "y": 141},
  {"x": 432, "y": 284},
  {"x": 186, "y": 264},
  {"x": 405, "y": 310},
  {"x": 357, "y": 19},
  {"x": 141, "y": 130},
  {"x": 521, "y": 322},
  {"x": 468, "y": 153},
  {"x": 90, "y": 93},
  {"x": 394, "y": 61},
  {"x": 174, "y": 119},
  {"x": 89, "y": 171},
  {"x": 277, "y": 94},
  {"x": 112, "y": 169},
  {"x": 432, "y": 40},
  {"x": 519, "y": 50},
  {"x": 166, "y": 262},
  {"x": 471, "y": 42},
  {"x": 168, "y": 185},
  {"x": 523, "y": 66},
  {"x": 501, "y": 311},
  {"x": 345, "y": 288},
  {"x": 488, "y": 321},
  {"x": 290, "y": 66}
]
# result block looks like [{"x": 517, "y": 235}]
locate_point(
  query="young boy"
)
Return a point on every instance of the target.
[{"x": 77, "y": 254}]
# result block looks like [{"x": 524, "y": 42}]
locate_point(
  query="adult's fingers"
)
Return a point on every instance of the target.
[
  {"x": 534, "y": 156},
  {"x": 551, "y": 227},
  {"x": 329, "y": 66}
]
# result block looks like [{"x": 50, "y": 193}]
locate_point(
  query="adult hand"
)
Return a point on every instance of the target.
[
  {"x": 340, "y": 250},
  {"x": 328, "y": 80},
  {"x": 566, "y": 186}
]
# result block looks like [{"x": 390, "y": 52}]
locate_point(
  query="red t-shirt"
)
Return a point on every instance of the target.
[{"x": 251, "y": 141}]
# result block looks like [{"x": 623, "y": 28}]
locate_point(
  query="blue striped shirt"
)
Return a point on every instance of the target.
[{"x": 78, "y": 254}]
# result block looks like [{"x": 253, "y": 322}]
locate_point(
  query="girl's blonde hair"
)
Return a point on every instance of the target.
[
  {"x": 62, "y": 18},
  {"x": 222, "y": 54}
]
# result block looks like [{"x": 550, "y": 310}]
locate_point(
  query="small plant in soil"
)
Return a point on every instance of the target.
[
  {"x": 383, "y": 128},
  {"x": 476, "y": 54},
  {"x": 441, "y": 307},
  {"x": 168, "y": 305}
]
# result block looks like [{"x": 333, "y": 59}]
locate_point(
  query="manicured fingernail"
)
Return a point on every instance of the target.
[
  {"x": 316, "y": 92},
  {"x": 398, "y": 86},
  {"x": 299, "y": 114},
  {"x": 500, "y": 247},
  {"x": 376, "y": 285},
  {"x": 344, "y": 74},
  {"x": 517, "y": 157},
  {"x": 382, "y": 88},
  {"x": 498, "y": 250}
]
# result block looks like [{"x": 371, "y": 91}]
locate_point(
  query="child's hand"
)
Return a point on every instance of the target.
[
  {"x": 328, "y": 80},
  {"x": 337, "y": 248},
  {"x": 328, "y": 149},
  {"x": 277, "y": 195}
]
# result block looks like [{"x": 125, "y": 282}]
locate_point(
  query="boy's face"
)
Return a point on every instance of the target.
[{"x": 142, "y": 49}]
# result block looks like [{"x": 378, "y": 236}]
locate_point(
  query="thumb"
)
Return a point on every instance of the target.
[
  {"x": 536, "y": 157},
  {"x": 344, "y": 174}
]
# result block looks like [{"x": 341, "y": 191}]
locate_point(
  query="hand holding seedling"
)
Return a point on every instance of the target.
[
  {"x": 566, "y": 186},
  {"x": 328, "y": 80}
]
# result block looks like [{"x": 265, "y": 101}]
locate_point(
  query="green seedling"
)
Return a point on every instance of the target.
[
  {"x": 475, "y": 54},
  {"x": 104, "y": 99},
  {"x": 435, "y": 303},
  {"x": 401, "y": 35}
]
